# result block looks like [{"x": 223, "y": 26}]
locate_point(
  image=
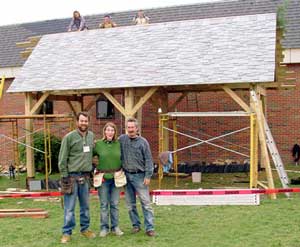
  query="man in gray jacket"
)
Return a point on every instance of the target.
[{"x": 138, "y": 166}]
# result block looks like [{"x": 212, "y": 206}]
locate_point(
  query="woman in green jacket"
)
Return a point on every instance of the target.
[{"x": 109, "y": 155}]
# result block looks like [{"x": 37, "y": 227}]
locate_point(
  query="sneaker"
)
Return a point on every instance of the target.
[
  {"x": 65, "y": 238},
  {"x": 117, "y": 231},
  {"x": 150, "y": 233},
  {"x": 103, "y": 233},
  {"x": 88, "y": 234},
  {"x": 135, "y": 229}
]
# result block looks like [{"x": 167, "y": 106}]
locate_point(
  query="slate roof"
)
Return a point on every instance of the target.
[
  {"x": 205, "y": 51},
  {"x": 17, "y": 33}
]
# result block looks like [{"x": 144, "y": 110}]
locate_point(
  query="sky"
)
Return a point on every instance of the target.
[{"x": 21, "y": 11}]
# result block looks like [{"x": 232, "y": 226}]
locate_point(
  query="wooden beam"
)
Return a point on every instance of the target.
[
  {"x": 39, "y": 103},
  {"x": 29, "y": 137},
  {"x": 143, "y": 100},
  {"x": 24, "y": 44},
  {"x": 236, "y": 98},
  {"x": 61, "y": 97},
  {"x": 25, "y": 54},
  {"x": 129, "y": 102},
  {"x": 73, "y": 109},
  {"x": 262, "y": 139},
  {"x": 154, "y": 100},
  {"x": 261, "y": 90},
  {"x": 113, "y": 100},
  {"x": 179, "y": 99},
  {"x": 92, "y": 103},
  {"x": 34, "y": 39},
  {"x": 3, "y": 117},
  {"x": 253, "y": 151}
]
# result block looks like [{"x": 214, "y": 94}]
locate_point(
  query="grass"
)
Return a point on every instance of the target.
[{"x": 273, "y": 223}]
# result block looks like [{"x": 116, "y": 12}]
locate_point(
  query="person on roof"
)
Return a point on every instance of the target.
[
  {"x": 140, "y": 18},
  {"x": 107, "y": 22},
  {"x": 77, "y": 23}
]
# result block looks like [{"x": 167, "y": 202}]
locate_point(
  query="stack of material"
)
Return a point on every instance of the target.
[{"x": 17, "y": 213}]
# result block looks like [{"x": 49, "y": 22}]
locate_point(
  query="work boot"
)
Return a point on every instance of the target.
[
  {"x": 150, "y": 233},
  {"x": 103, "y": 233},
  {"x": 65, "y": 238},
  {"x": 88, "y": 234},
  {"x": 117, "y": 231},
  {"x": 135, "y": 229}
]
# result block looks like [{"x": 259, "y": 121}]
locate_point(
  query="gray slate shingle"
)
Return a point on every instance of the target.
[{"x": 215, "y": 50}]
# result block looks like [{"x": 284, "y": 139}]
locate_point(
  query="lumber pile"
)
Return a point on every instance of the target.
[{"x": 28, "y": 212}]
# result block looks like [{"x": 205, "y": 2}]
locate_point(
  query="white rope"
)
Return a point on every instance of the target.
[
  {"x": 22, "y": 143},
  {"x": 201, "y": 133},
  {"x": 23, "y": 136},
  {"x": 208, "y": 141}
]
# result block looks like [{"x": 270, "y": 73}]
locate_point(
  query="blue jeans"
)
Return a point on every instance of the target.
[
  {"x": 135, "y": 186},
  {"x": 82, "y": 192},
  {"x": 109, "y": 196}
]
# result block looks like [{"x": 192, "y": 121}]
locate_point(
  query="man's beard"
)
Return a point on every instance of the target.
[{"x": 83, "y": 128}]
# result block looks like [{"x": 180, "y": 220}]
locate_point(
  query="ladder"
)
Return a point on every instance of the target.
[
  {"x": 272, "y": 146},
  {"x": 2, "y": 86}
]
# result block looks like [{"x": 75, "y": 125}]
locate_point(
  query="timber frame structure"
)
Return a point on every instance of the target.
[{"x": 157, "y": 95}]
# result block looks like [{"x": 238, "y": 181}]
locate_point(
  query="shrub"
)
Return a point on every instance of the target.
[{"x": 39, "y": 158}]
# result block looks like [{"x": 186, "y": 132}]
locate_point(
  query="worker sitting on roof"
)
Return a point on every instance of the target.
[
  {"x": 77, "y": 23},
  {"x": 107, "y": 22},
  {"x": 140, "y": 18}
]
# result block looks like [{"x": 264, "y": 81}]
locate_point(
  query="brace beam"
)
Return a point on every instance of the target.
[
  {"x": 143, "y": 100},
  {"x": 179, "y": 99},
  {"x": 39, "y": 103},
  {"x": 236, "y": 98},
  {"x": 113, "y": 100}
]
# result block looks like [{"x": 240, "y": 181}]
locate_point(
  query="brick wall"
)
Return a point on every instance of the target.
[{"x": 282, "y": 112}]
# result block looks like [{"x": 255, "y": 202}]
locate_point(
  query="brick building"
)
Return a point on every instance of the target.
[{"x": 282, "y": 106}]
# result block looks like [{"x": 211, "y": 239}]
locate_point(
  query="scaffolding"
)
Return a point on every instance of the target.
[{"x": 48, "y": 122}]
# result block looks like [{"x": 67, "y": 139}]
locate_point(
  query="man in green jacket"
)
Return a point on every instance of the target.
[{"x": 75, "y": 165}]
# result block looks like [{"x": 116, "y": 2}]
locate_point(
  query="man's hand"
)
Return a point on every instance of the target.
[{"x": 146, "y": 181}]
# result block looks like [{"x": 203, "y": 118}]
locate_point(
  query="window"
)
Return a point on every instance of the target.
[
  {"x": 104, "y": 109},
  {"x": 48, "y": 106}
]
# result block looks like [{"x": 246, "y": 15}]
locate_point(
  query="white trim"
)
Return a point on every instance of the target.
[
  {"x": 291, "y": 56},
  {"x": 10, "y": 72}
]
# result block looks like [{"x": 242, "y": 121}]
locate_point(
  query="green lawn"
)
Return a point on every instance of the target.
[{"x": 273, "y": 223}]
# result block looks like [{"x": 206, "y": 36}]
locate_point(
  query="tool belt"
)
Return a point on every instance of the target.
[
  {"x": 106, "y": 171},
  {"x": 119, "y": 177},
  {"x": 67, "y": 184}
]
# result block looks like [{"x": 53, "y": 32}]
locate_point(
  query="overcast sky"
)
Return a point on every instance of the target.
[{"x": 20, "y": 11}]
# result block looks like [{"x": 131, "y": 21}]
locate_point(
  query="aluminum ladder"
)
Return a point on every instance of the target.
[{"x": 272, "y": 147}]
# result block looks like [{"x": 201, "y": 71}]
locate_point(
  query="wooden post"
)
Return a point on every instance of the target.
[
  {"x": 263, "y": 101},
  {"x": 253, "y": 151},
  {"x": 129, "y": 102},
  {"x": 164, "y": 108},
  {"x": 29, "y": 137},
  {"x": 262, "y": 139},
  {"x": 15, "y": 147},
  {"x": 175, "y": 158}
]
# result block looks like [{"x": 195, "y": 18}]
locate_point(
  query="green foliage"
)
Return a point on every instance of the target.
[
  {"x": 39, "y": 158},
  {"x": 281, "y": 11}
]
